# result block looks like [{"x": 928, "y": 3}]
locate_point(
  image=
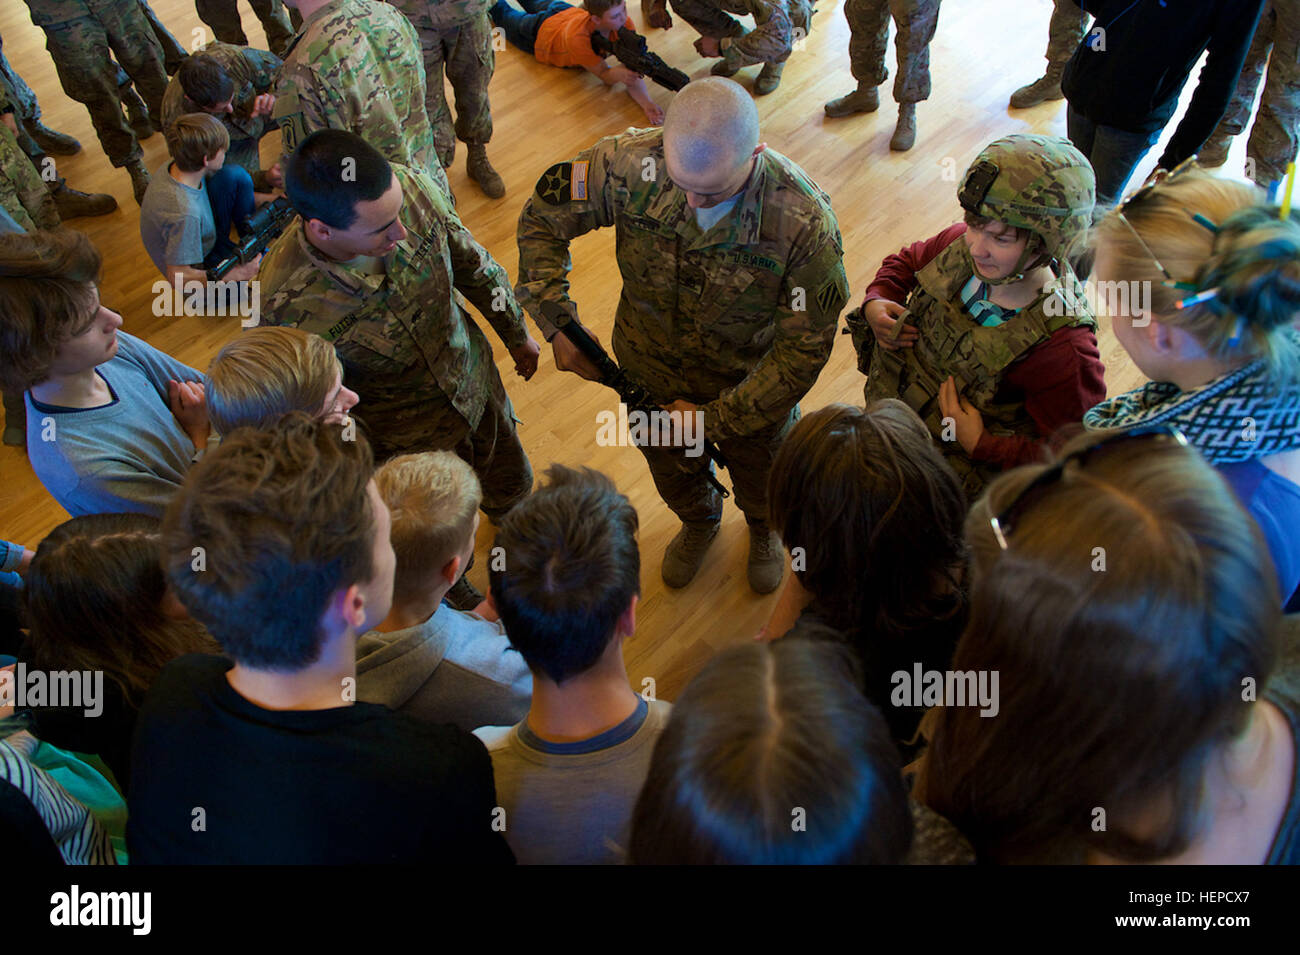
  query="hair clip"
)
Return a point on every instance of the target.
[
  {"x": 1201, "y": 220},
  {"x": 1237, "y": 332},
  {"x": 1197, "y": 299},
  {"x": 1185, "y": 286}
]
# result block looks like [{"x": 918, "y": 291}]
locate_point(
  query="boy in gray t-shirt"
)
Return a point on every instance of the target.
[
  {"x": 192, "y": 202},
  {"x": 568, "y": 774}
]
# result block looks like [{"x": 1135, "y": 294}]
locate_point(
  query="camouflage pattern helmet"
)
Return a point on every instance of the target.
[{"x": 1040, "y": 183}]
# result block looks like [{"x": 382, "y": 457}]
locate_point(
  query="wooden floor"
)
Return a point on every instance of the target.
[{"x": 984, "y": 50}]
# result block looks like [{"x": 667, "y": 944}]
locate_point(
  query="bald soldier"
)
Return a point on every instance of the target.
[
  {"x": 733, "y": 281},
  {"x": 356, "y": 65}
]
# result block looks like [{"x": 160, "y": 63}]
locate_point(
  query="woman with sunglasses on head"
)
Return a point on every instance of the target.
[
  {"x": 1129, "y": 609},
  {"x": 1220, "y": 272}
]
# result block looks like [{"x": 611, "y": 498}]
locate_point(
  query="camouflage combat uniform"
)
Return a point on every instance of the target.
[
  {"x": 356, "y": 65},
  {"x": 23, "y": 192},
  {"x": 1064, "y": 33},
  {"x": 421, "y": 365},
  {"x": 1273, "y": 137},
  {"x": 457, "y": 33},
  {"x": 253, "y": 73},
  {"x": 778, "y": 24},
  {"x": 80, "y": 36},
  {"x": 1036, "y": 177},
  {"x": 869, "y": 36},
  {"x": 223, "y": 17},
  {"x": 738, "y": 320}
]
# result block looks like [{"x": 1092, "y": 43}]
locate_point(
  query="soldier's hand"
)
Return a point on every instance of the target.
[
  {"x": 275, "y": 177},
  {"x": 263, "y": 105},
  {"x": 708, "y": 46},
  {"x": 882, "y": 315},
  {"x": 242, "y": 273},
  {"x": 9, "y": 121},
  {"x": 525, "y": 357},
  {"x": 568, "y": 358}
]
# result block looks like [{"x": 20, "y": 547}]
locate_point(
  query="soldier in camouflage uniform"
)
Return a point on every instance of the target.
[
  {"x": 1273, "y": 137},
  {"x": 19, "y": 102},
  {"x": 1064, "y": 34},
  {"x": 730, "y": 298},
  {"x": 422, "y": 368},
  {"x": 251, "y": 74},
  {"x": 356, "y": 65},
  {"x": 966, "y": 332},
  {"x": 458, "y": 34},
  {"x": 778, "y": 25},
  {"x": 868, "y": 38},
  {"x": 79, "y": 36},
  {"x": 223, "y": 17}
]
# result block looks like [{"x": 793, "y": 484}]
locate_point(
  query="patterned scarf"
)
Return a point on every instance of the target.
[{"x": 1238, "y": 417}]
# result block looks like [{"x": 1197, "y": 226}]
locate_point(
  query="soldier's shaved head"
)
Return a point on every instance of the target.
[{"x": 711, "y": 127}]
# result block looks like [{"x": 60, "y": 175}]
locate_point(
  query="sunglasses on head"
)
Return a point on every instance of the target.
[
  {"x": 1160, "y": 178},
  {"x": 1004, "y": 522}
]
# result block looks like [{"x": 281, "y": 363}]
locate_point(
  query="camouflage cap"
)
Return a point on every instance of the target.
[{"x": 1040, "y": 183}]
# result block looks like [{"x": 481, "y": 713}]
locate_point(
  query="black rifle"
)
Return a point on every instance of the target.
[
  {"x": 264, "y": 226},
  {"x": 629, "y": 48},
  {"x": 633, "y": 393}
]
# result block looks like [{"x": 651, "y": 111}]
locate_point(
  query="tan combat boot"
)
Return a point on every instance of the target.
[
  {"x": 905, "y": 132},
  {"x": 766, "y": 559},
  {"x": 864, "y": 99},
  {"x": 480, "y": 170},
  {"x": 1044, "y": 88},
  {"x": 686, "y": 552},
  {"x": 769, "y": 78}
]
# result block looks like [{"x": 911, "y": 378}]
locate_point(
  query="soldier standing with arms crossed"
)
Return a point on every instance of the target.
[{"x": 733, "y": 281}]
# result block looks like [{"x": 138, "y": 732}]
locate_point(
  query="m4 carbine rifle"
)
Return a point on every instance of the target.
[
  {"x": 264, "y": 226},
  {"x": 629, "y": 48},
  {"x": 632, "y": 392}
]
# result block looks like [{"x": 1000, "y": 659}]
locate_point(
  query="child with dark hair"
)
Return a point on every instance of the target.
[
  {"x": 559, "y": 34},
  {"x": 773, "y": 756},
  {"x": 1217, "y": 338},
  {"x": 97, "y": 601},
  {"x": 1128, "y": 605},
  {"x": 234, "y": 84},
  {"x": 279, "y": 544},
  {"x": 872, "y": 516},
  {"x": 112, "y": 423},
  {"x": 568, "y": 774}
]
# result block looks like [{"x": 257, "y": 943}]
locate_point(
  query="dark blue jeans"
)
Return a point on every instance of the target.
[
  {"x": 1114, "y": 153},
  {"x": 230, "y": 193},
  {"x": 521, "y": 26}
]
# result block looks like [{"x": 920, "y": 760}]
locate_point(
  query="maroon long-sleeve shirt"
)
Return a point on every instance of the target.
[{"x": 1058, "y": 380}]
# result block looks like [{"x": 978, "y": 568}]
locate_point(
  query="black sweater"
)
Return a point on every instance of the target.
[{"x": 1130, "y": 75}]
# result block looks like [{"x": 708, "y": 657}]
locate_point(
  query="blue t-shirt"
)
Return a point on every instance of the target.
[
  {"x": 1274, "y": 502},
  {"x": 128, "y": 455}
]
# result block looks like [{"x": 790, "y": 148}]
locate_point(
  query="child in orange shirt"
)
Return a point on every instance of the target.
[{"x": 559, "y": 34}]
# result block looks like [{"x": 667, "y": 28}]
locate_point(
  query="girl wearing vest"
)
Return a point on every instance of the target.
[
  {"x": 983, "y": 330},
  {"x": 1222, "y": 273}
]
